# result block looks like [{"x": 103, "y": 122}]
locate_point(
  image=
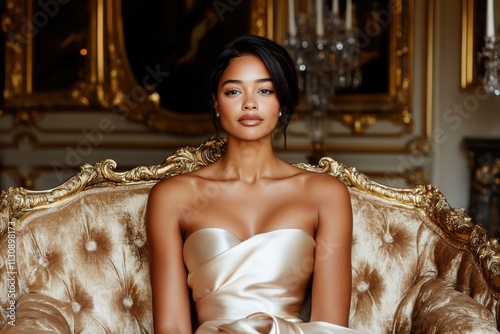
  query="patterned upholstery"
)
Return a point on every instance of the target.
[{"x": 82, "y": 255}]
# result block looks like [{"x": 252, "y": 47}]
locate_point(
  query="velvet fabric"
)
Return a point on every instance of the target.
[{"x": 82, "y": 267}]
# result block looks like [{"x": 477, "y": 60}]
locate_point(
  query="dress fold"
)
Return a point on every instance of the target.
[{"x": 253, "y": 286}]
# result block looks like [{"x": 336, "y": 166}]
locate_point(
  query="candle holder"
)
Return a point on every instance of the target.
[
  {"x": 327, "y": 59},
  {"x": 491, "y": 56}
]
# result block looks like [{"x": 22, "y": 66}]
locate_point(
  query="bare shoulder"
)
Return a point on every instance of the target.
[
  {"x": 322, "y": 183},
  {"x": 174, "y": 188},
  {"x": 167, "y": 202}
]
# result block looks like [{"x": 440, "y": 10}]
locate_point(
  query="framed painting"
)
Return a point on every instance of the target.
[
  {"x": 385, "y": 30},
  {"x": 46, "y": 54},
  {"x": 145, "y": 60},
  {"x": 385, "y": 33},
  {"x": 473, "y": 34},
  {"x": 178, "y": 39}
]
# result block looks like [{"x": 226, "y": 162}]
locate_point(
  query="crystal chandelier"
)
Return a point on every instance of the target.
[
  {"x": 326, "y": 50},
  {"x": 491, "y": 53}
]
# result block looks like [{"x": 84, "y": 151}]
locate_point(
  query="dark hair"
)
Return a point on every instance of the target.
[{"x": 279, "y": 64}]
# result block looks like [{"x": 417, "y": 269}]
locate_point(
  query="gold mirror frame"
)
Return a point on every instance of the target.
[{"x": 109, "y": 81}]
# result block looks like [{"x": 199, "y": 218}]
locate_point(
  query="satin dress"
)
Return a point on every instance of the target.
[{"x": 253, "y": 286}]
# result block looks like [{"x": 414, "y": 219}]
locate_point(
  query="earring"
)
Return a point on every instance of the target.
[
  {"x": 280, "y": 114},
  {"x": 217, "y": 114}
]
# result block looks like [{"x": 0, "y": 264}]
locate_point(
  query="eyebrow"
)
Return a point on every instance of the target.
[{"x": 231, "y": 81}]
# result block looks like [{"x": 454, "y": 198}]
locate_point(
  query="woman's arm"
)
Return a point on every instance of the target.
[
  {"x": 331, "y": 290},
  {"x": 171, "y": 307}
]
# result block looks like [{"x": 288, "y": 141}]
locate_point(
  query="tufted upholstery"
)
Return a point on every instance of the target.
[{"x": 82, "y": 255}]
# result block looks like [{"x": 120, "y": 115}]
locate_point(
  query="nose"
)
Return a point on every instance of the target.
[{"x": 250, "y": 104}]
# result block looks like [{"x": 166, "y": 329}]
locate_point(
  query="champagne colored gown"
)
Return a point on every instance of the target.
[{"x": 253, "y": 286}]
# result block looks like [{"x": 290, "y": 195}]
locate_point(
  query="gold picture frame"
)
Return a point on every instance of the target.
[
  {"x": 471, "y": 42},
  {"x": 23, "y": 24},
  {"x": 262, "y": 19},
  {"x": 360, "y": 109},
  {"x": 103, "y": 75},
  {"x": 473, "y": 34},
  {"x": 108, "y": 82}
]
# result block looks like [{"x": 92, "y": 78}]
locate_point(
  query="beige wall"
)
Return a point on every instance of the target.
[{"x": 479, "y": 116}]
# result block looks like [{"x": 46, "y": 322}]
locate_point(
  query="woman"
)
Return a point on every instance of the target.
[{"x": 264, "y": 232}]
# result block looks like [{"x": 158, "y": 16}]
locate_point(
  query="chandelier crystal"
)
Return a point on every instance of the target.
[
  {"x": 491, "y": 53},
  {"x": 326, "y": 50}
]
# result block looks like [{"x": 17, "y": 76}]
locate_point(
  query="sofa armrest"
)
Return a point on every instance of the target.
[
  {"x": 440, "y": 309},
  {"x": 39, "y": 314}
]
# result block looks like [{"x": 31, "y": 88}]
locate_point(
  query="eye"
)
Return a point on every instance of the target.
[
  {"x": 266, "y": 91},
  {"x": 231, "y": 92}
]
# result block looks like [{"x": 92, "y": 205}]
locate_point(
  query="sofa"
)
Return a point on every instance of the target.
[{"x": 74, "y": 259}]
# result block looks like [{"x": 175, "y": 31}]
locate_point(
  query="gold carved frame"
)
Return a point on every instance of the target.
[
  {"x": 109, "y": 79},
  {"x": 469, "y": 76},
  {"x": 473, "y": 32},
  {"x": 360, "y": 111},
  {"x": 103, "y": 74}
]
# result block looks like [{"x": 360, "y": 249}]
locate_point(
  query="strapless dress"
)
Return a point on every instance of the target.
[{"x": 253, "y": 286}]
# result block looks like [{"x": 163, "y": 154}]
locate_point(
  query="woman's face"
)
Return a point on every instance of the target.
[{"x": 246, "y": 100}]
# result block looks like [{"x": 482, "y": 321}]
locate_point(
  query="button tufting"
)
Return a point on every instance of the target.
[
  {"x": 128, "y": 302},
  {"x": 76, "y": 307},
  {"x": 91, "y": 245},
  {"x": 362, "y": 286},
  {"x": 42, "y": 261},
  {"x": 388, "y": 238},
  {"x": 139, "y": 242}
]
